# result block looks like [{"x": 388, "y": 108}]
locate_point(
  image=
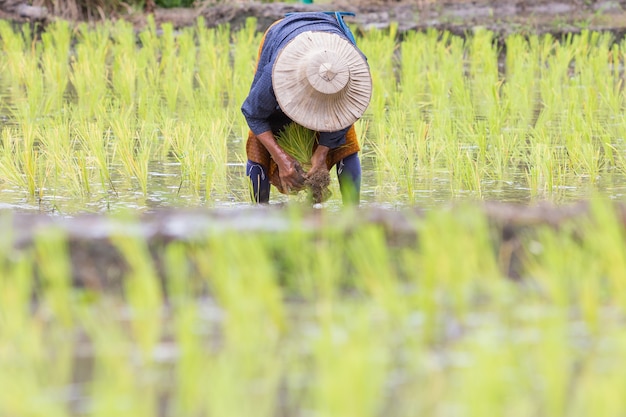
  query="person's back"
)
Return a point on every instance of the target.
[{"x": 310, "y": 72}]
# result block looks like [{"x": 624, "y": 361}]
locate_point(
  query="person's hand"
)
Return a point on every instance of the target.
[
  {"x": 290, "y": 172},
  {"x": 318, "y": 160}
]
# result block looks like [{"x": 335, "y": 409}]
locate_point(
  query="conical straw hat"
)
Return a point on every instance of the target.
[{"x": 321, "y": 81}]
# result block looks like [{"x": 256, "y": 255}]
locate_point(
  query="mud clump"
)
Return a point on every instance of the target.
[{"x": 317, "y": 186}]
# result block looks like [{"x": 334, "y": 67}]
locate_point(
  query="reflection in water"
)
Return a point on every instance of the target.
[{"x": 312, "y": 324}]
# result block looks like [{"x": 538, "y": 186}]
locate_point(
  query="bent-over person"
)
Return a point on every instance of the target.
[{"x": 310, "y": 72}]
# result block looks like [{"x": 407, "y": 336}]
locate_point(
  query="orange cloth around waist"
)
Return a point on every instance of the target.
[{"x": 256, "y": 152}]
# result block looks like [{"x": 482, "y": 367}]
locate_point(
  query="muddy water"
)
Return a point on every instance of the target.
[{"x": 165, "y": 191}]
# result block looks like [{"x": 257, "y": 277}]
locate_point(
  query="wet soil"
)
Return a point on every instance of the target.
[
  {"x": 457, "y": 16},
  {"x": 98, "y": 265},
  {"x": 317, "y": 186}
]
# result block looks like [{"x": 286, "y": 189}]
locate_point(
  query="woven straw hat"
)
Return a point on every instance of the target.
[{"x": 322, "y": 81}]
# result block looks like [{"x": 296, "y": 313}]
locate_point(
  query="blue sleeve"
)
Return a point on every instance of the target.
[
  {"x": 333, "y": 139},
  {"x": 261, "y": 101}
]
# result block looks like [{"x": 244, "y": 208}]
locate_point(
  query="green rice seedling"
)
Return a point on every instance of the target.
[
  {"x": 519, "y": 91},
  {"x": 415, "y": 149},
  {"x": 118, "y": 384},
  {"x": 593, "y": 70},
  {"x": 540, "y": 173},
  {"x": 55, "y": 53},
  {"x": 380, "y": 46},
  {"x": 11, "y": 167},
  {"x": 566, "y": 273},
  {"x": 469, "y": 173},
  {"x": 386, "y": 162},
  {"x": 298, "y": 141},
  {"x": 414, "y": 48},
  {"x": 554, "y": 74},
  {"x": 600, "y": 381},
  {"x": 53, "y": 259},
  {"x": 33, "y": 101},
  {"x": 187, "y": 63},
  {"x": 148, "y": 84},
  {"x": 23, "y": 77},
  {"x": 456, "y": 264},
  {"x": 447, "y": 76},
  {"x": 125, "y": 66},
  {"x": 191, "y": 153},
  {"x": 17, "y": 285},
  {"x": 149, "y": 73},
  {"x": 313, "y": 271},
  {"x": 494, "y": 381},
  {"x": 237, "y": 182},
  {"x": 26, "y": 386},
  {"x": 191, "y": 366},
  {"x": 604, "y": 241},
  {"x": 378, "y": 279},
  {"x": 504, "y": 151},
  {"x": 134, "y": 148},
  {"x": 554, "y": 355},
  {"x": 613, "y": 100},
  {"x": 179, "y": 141},
  {"x": 483, "y": 67},
  {"x": 242, "y": 385},
  {"x": 243, "y": 290},
  {"x": 349, "y": 384},
  {"x": 326, "y": 271},
  {"x": 142, "y": 290},
  {"x": 201, "y": 150},
  {"x": 607, "y": 150},
  {"x": 90, "y": 72},
  {"x": 94, "y": 140},
  {"x": 32, "y": 371},
  {"x": 228, "y": 279},
  {"x": 399, "y": 146},
  {"x": 177, "y": 63},
  {"x": 21, "y": 160},
  {"x": 13, "y": 49},
  {"x": 190, "y": 397},
  {"x": 62, "y": 159},
  {"x": 478, "y": 120},
  {"x": 587, "y": 162},
  {"x": 214, "y": 133},
  {"x": 214, "y": 71},
  {"x": 245, "y": 44},
  {"x": 169, "y": 70}
]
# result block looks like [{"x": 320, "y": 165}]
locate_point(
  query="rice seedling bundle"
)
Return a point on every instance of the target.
[{"x": 298, "y": 141}]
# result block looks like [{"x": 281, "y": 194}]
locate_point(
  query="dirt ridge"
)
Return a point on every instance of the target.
[
  {"x": 457, "y": 16},
  {"x": 503, "y": 17}
]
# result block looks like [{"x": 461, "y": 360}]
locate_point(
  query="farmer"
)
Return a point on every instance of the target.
[{"x": 310, "y": 72}]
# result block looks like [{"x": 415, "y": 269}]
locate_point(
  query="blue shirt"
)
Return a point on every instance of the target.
[{"x": 261, "y": 108}]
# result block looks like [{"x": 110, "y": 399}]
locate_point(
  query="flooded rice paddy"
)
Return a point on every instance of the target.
[
  {"x": 96, "y": 120},
  {"x": 331, "y": 320}
]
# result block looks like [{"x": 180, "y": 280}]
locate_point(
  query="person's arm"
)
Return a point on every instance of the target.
[
  {"x": 290, "y": 171},
  {"x": 257, "y": 108},
  {"x": 318, "y": 160},
  {"x": 327, "y": 141},
  {"x": 260, "y": 102}
]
